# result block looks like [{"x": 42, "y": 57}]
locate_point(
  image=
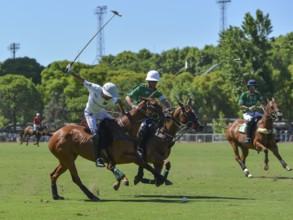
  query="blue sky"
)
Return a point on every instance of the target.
[{"x": 52, "y": 30}]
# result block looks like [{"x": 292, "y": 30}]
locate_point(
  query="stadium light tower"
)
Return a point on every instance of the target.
[
  {"x": 13, "y": 48},
  {"x": 100, "y": 12},
  {"x": 223, "y": 5}
]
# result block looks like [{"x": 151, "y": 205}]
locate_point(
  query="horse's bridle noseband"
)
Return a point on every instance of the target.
[{"x": 273, "y": 112}]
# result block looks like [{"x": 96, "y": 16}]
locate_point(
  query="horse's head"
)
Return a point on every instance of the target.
[
  {"x": 186, "y": 115},
  {"x": 272, "y": 110}
]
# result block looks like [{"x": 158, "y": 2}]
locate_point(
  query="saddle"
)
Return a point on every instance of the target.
[{"x": 242, "y": 129}]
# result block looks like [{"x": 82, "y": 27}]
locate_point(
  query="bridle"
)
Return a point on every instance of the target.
[
  {"x": 156, "y": 112},
  {"x": 185, "y": 122},
  {"x": 190, "y": 116},
  {"x": 273, "y": 111}
]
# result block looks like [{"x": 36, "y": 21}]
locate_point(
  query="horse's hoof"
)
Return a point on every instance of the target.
[
  {"x": 95, "y": 199},
  {"x": 137, "y": 180},
  {"x": 126, "y": 183},
  {"x": 249, "y": 175},
  {"x": 116, "y": 186},
  {"x": 168, "y": 183},
  {"x": 288, "y": 168},
  {"x": 266, "y": 167},
  {"x": 57, "y": 197},
  {"x": 159, "y": 182}
]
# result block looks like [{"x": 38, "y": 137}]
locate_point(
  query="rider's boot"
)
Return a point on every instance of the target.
[
  {"x": 249, "y": 125},
  {"x": 99, "y": 161},
  {"x": 141, "y": 139}
]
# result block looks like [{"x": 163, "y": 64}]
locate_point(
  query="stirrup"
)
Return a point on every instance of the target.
[
  {"x": 100, "y": 163},
  {"x": 140, "y": 152},
  {"x": 248, "y": 140}
]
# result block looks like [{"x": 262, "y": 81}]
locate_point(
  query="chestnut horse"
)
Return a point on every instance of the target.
[
  {"x": 28, "y": 132},
  {"x": 72, "y": 141},
  {"x": 263, "y": 138},
  {"x": 159, "y": 145}
]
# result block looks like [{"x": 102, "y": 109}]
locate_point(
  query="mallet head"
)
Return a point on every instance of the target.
[{"x": 116, "y": 13}]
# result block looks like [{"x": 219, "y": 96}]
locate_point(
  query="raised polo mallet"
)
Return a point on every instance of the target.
[{"x": 114, "y": 14}]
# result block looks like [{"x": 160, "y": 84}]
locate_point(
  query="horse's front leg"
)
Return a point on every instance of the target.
[
  {"x": 241, "y": 161},
  {"x": 119, "y": 176},
  {"x": 141, "y": 162},
  {"x": 274, "y": 149},
  {"x": 27, "y": 139},
  {"x": 166, "y": 172},
  {"x": 139, "y": 176},
  {"x": 261, "y": 147}
]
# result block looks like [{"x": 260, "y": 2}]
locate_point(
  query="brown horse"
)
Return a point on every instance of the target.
[
  {"x": 28, "y": 132},
  {"x": 159, "y": 145},
  {"x": 73, "y": 140},
  {"x": 263, "y": 138}
]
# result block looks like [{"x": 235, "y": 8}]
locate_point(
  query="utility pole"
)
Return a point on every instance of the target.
[
  {"x": 100, "y": 12},
  {"x": 223, "y": 5},
  {"x": 13, "y": 48}
]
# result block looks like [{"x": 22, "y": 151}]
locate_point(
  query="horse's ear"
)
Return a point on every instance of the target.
[
  {"x": 188, "y": 101},
  {"x": 273, "y": 99},
  {"x": 268, "y": 100}
]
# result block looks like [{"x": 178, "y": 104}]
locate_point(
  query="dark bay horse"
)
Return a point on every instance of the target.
[
  {"x": 263, "y": 138},
  {"x": 159, "y": 145},
  {"x": 28, "y": 132},
  {"x": 72, "y": 141}
]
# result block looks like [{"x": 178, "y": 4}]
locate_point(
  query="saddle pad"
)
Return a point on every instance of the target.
[{"x": 242, "y": 128}]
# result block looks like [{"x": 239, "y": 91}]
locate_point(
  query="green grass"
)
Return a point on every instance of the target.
[{"x": 206, "y": 173}]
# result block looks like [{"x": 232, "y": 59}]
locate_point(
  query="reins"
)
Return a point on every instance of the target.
[
  {"x": 269, "y": 115},
  {"x": 154, "y": 116},
  {"x": 182, "y": 127}
]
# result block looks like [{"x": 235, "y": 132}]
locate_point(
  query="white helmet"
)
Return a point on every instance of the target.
[
  {"x": 153, "y": 75},
  {"x": 110, "y": 89},
  {"x": 38, "y": 114}
]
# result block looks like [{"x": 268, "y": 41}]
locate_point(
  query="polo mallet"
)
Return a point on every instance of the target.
[
  {"x": 181, "y": 70},
  {"x": 114, "y": 14}
]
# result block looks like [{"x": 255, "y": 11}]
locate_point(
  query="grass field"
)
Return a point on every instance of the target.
[{"x": 206, "y": 173}]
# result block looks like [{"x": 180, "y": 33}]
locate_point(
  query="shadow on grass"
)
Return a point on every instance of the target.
[
  {"x": 273, "y": 177},
  {"x": 174, "y": 199}
]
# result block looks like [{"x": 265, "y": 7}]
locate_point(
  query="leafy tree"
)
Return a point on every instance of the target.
[
  {"x": 284, "y": 95},
  {"x": 176, "y": 88},
  {"x": 244, "y": 53},
  {"x": 19, "y": 99},
  {"x": 212, "y": 96},
  {"x": 56, "y": 111},
  {"x": 22, "y": 66}
]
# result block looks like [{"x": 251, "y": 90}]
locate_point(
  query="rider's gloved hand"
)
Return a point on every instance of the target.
[
  {"x": 68, "y": 68},
  {"x": 252, "y": 108}
]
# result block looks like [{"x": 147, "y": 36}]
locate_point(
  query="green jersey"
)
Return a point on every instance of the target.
[
  {"x": 142, "y": 90},
  {"x": 250, "y": 99}
]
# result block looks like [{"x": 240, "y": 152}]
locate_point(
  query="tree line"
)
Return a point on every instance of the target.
[{"x": 215, "y": 77}]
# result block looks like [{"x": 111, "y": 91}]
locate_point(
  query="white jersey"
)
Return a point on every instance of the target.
[{"x": 95, "y": 103}]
